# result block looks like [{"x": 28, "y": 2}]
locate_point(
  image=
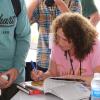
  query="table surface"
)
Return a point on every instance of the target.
[{"x": 23, "y": 96}]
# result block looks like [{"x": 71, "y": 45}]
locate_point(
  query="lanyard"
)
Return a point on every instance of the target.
[{"x": 71, "y": 62}]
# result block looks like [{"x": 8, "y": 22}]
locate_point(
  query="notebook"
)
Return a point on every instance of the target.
[{"x": 67, "y": 89}]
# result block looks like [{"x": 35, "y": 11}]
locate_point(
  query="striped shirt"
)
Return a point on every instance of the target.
[{"x": 44, "y": 16}]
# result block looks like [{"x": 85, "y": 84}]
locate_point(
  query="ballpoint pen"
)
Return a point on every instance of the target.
[{"x": 34, "y": 67}]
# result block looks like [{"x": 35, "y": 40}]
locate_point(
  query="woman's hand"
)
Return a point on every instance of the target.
[{"x": 37, "y": 75}]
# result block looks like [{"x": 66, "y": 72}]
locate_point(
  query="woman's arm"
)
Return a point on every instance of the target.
[
  {"x": 32, "y": 6},
  {"x": 51, "y": 72},
  {"x": 39, "y": 75},
  {"x": 73, "y": 6},
  {"x": 62, "y": 5},
  {"x": 52, "y": 68}
]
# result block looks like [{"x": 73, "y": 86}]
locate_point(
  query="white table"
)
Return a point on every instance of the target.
[{"x": 23, "y": 96}]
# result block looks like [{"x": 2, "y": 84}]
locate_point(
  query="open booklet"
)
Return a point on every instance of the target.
[{"x": 66, "y": 89}]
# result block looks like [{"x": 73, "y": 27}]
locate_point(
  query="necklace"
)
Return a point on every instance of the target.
[{"x": 71, "y": 62}]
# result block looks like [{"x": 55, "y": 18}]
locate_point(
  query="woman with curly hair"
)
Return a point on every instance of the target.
[{"x": 76, "y": 48}]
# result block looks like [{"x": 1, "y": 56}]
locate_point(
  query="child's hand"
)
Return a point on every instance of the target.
[{"x": 36, "y": 76}]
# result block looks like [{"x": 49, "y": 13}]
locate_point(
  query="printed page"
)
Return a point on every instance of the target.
[
  {"x": 50, "y": 84},
  {"x": 67, "y": 90},
  {"x": 72, "y": 91}
]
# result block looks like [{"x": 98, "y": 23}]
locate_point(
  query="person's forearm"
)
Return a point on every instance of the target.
[
  {"x": 62, "y": 5},
  {"x": 46, "y": 75},
  {"x": 94, "y": 18},
  {"x": 32, "y": 6}
]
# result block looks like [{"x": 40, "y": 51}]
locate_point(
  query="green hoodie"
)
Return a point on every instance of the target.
[
  {"x": 14, "y": 38},
  {"x": 88, "y": 7}
]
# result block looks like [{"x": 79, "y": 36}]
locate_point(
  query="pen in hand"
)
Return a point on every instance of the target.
[
  {"x": 34, "y": 67},
  {"x": 37, "y": 75}
]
